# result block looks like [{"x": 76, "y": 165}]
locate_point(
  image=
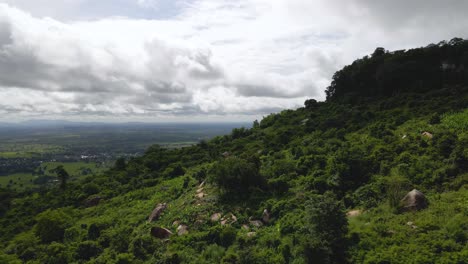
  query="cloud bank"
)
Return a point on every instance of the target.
[{"x": 211, "y": 60}]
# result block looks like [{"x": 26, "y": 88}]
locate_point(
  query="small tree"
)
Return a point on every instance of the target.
[
  {"x": 236, "y": 175},
  {"x": 62, "y": 176},
  {"x": 327, "y": 227},
  {"x": 120, "y": 164},
  {"x": 51, "y": 225}
]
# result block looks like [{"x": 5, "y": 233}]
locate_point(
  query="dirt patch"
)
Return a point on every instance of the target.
[{"x": 353, "y": 213}]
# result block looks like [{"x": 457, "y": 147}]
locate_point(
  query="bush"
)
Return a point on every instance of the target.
[
  {"x": 396, "y": 189},
  {"x": 327, "y": 226},
  {"x": 213, "y": 253},
  {"x": 235, "y": 175},
  {"x": 87, "y": 250},
  {"x": 51, "y": 225}
]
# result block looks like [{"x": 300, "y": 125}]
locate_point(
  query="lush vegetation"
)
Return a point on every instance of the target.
[{"x": 279, "y": 191}]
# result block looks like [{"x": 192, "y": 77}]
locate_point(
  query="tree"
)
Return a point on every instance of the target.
[
  {"x": 310, "y": 104},
  {"x": 236, "y": 175},
  {"x": 327, "y": 227},
  {"x": 62, "y": 176},
  {"x": 51, "y": 225},
  {"x": 378, "y": 52},
  {"x": 120, "y": 164}
]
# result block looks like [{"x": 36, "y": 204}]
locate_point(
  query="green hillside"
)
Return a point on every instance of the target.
[{"x": 320, "y": 184}]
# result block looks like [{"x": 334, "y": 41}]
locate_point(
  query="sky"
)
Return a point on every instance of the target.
[{"x": 195, "y": 60}]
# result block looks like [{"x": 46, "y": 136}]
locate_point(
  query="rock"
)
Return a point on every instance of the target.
[
  {"x": 226, "y": 154},
  {"x": 176, "y": 223},
  {"x": 414, "y": 201},
  {"x": 201, "y": 184},
  {"x": 411, "y": 224},
  {"x": 160, "y": 232},
  {"x": 245, "y": 227},
  {"x": 224, "y": 222},
  {"x": 427, "y": 134},
  {"x": 266, "y": 216},
  {"x": 182, "y": 230},
  {"x": 93, "y": 201},
  {"x": 353, "y": 213},
  {"x": 157, "y": 212},
  {"x": 256, "y": 223},
  {"x": 251, "y": 234},
  {"x": 215, "y": 217},
  {"x": 233, "y": 218}
]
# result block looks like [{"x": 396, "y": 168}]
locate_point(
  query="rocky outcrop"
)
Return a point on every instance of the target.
[
  {"x": 427, "y": 134},
  {"x": 353, "y": 213},
  {"x": 266, "y": 216},
  {"x": 182, "y": 230},
  {"x": 157, "y": 212},
  {"x": 160, "y": 232},
  {"x": 215, "y": 217},
  {"x": 414, "y": 201},
  {"x": 93, "y": 201}
]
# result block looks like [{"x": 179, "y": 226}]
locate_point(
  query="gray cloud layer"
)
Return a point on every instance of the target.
[{"x": 215, "y": 58}]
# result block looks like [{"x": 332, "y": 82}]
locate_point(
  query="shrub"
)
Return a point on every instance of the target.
[
  {"x": 235, "y": 175},
  {"x": 396, "y": 189},
  {"x": 327, "y": 226},
  {"x": 51, "y": 225},
  {"x": 87, "y": 250}
]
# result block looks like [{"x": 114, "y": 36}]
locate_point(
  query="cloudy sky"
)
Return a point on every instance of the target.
[{"x": 195, "y": 60}]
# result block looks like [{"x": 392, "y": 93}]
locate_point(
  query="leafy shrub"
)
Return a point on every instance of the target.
[
  {"x": 396, "y": 189},
  {"x": 51, "y": 225},
  {"x": 213, "y": 253},
  {"x": 327, "y": 226},
  {"x": 87, "y": 250},
  {"x": 235, "y": 175}
]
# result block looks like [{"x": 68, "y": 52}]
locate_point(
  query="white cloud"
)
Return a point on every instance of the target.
[
  {"x": 148, "y": 3},
  {"x": 239, "y": 58}
]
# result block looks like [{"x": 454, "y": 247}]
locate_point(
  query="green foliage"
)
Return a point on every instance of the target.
[
  {"x": 396, "y": 188},
  {"x": 87, "y": 250},
  {"x": 327, "y": 226},
  {"x": 62, "y": 176},
  {"x": 389, "y": 73},
  {"x": 457, "y": 121},
  {"x": 235, "y": 175},
  {"x": 51, "y": 225}
]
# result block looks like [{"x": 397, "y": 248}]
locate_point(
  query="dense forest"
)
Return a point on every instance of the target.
[{"x": 320, "y": 184}]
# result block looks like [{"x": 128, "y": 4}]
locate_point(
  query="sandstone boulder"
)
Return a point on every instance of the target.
[
  {"x": 414, "y": 201},
  {"x": 157, "y": 211},
  {"x": 161, "y": 232}
]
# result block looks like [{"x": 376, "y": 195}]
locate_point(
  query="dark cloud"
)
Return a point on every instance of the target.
[{"x": 398, "y": 14}]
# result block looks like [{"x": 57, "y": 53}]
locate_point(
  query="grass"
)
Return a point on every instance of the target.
[
  {"x": 458, "y": 121},
  {"x": 22, "y": 181},
  {"x": 17, "y": 181},
  {"x": 75, "y": 169},
  {"x": 27, "y": 150}
]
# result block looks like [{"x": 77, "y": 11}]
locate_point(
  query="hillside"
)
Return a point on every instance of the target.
[{"x": 280, "y": 191}]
